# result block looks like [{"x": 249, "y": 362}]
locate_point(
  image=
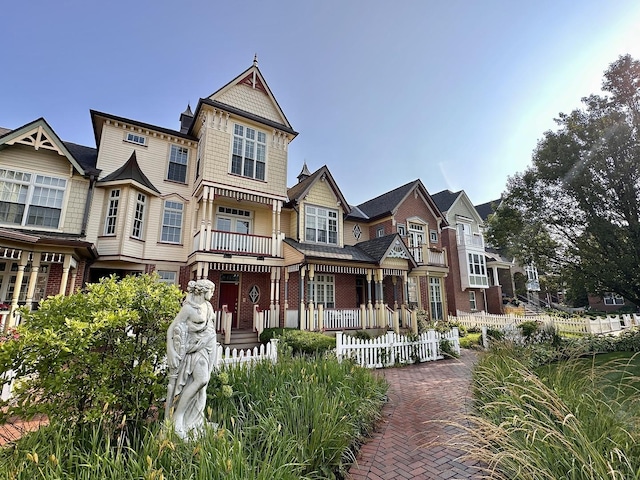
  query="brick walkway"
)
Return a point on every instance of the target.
[{"x": 404, "y": 446}]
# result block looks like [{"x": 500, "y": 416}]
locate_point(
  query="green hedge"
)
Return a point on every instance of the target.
[{"x": 301, "y": 342}]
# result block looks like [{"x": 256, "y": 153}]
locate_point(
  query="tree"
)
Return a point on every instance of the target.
[
  {"x": 93, "y": 356},
  {"x": 576, "y": 210}
]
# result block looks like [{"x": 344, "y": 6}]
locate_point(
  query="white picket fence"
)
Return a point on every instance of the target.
[
  {"x": 392, "y": 348},
  {"x": 580, "y": 325},
  {"x": 226, "y": 357}
]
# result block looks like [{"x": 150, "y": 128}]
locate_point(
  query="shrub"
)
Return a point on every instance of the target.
[
  {"x": 307, "y": 343},
  {"x": 269, "y": 333},
  {"x": 93, "y": 356}
]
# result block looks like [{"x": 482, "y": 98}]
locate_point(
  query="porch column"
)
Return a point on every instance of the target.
[
  {"x": 278, "y": 227},
  {"x": 275, "y": 228},
  {"x": 369, "y": 305},
  {"x": 211, "y": 215},
  {"x": 203, "y": 221},
  {"x": 272, "y": 289},
  {"x": 312, "y": 306},
  {"x": 496, "y": 282},
  {"x": 286, "y": 291},
  {"x": 301, "y": 293},
  {"x": 277, "y": 295},
  {"x": 24, "y": 258},
  {"x": 205, "y": 269},
  {"x": 394, "y": 279},
  {"x": 65, "y": 274},
  {"x": 198, "y": 270},
  {"x": 72, "y": 281},
  {"x": 33, "y": 278},
  {"x": 405, "y": 290}
]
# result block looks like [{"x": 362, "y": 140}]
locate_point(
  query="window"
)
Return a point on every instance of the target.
[
  {"x": 233, "y": 220},
  {"x": 138, "y": 219},
  {"x": 433, "y": 236},
  {"x": 611, "y": 298},
  {"x": 178, "y": 159},
  {"x": 112, "y": 213},
  {"x": 30, "y": 199},
  {"x": 321, "y": 225},
  {"x": 321, "y": 290},
  {"x": 402, "y": 229},
  {"x": 435, "y": 298},
  {"x": 357, "y": 232},
  {"x": 172, "y": 222},
  {"x": 477, "y": 270},
  {"x": 380, "y": 232},
  {"x": 249, "y": 152},
  {"x": 135, "y": 138},
  {"x": 166, "y": 276},
  {"x": 472, "y": 301}
]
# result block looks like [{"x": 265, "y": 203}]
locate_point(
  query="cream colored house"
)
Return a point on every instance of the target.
[{"x": 209, "y": 200}]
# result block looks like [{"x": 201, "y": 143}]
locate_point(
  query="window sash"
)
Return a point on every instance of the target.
[
  {"x": 111, "y": 219},
  {"x": 321, "y": 225},
  {"x": 178, "y": 162},
  {"x": 138, "y": 219},
  {"x": 172, "y": 222},
  {"x": 31, "y": 200},
  {"x": 248, "y": 157}
]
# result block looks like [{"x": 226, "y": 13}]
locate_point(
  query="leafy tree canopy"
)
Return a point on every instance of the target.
[{"x": 576, "y": 210}]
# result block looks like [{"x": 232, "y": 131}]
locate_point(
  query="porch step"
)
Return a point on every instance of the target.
[{"x": 241, "y": 339}]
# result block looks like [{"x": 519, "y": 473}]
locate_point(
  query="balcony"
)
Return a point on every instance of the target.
[
  {"x": 432, "y": 256},
  {"x": 474, "y": 240},
  {"x": 237, "y": 243}
]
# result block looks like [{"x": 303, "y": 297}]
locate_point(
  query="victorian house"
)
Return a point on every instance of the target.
[{"x": 209, "y": 200}]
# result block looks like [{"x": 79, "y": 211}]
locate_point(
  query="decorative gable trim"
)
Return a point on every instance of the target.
[
  {"x": 39, "y": 135},
  {"x": 37, "y": 138}
]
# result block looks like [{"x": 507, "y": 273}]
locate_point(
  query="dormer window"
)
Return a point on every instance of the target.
[
  {"x": 135, "y": 138},
  {"x": 249, "y": 152}
]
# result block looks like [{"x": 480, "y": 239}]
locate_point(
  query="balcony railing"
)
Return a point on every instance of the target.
[
  {"x": 240, "y": 243},
  {"x": 228, "y": 242},
  {"x": 471, "y": 240},
  {"x": 432, "y": 257}
]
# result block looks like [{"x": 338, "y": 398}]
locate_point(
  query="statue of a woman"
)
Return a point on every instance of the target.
[{"x": 191, "y": 350}]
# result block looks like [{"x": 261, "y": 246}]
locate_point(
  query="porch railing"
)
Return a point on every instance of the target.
[
  {"x": 471, "y": 239},
  {"x": 318, "y": 318},
  {"x": 265, "y": 318},
  {"x": 224, "y": 319}
]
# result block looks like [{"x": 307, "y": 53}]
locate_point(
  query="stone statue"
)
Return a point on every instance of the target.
[{"x": 191, "y": 350}]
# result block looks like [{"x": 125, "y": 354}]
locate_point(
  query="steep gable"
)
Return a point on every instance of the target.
[
  {"x": 39, "y": 135},
  {"x": 299, "y": 191},
  {"x": 249, "y": 92}
]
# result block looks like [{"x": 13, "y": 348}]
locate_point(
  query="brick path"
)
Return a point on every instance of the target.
[{"x": 404, "y": 446}]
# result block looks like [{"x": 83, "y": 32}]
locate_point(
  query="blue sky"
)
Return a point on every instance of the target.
[{"x": 456, "y": 93}]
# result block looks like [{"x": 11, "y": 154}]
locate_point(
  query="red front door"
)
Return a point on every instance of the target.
[{"x": 229, "y": 297}]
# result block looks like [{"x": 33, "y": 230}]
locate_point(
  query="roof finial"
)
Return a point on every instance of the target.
[
  {"x": 255, "y": 59},
  {"x": 305, "y": 173}
]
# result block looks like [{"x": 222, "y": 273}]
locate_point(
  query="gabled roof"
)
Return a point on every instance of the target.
[
  {"x": 388, "y": 203},
  {"x": 486, "y": 209},
  {"x": 448, "y": 199},
  {"x": 301, "y": 189},
  {"x": 445, "y": 199},
  {"x": 130, "y": 171},
  {"x": 252, "y": 77},
  {"x": 39, "y": 135},
  {"x": 380, "y": 248}
]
